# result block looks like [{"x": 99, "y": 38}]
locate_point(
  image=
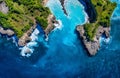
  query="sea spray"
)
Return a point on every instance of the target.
[
  {"x": 105, "y": 41},
  {"x": 15, "y": 40},
  {"x": 58, "y": 26},
  {"x": 28, "y": 49}
]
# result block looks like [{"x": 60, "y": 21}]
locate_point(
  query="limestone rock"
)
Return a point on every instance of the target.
[
  {"x": 93, "y": 46},
  {"x": 3, "y": 7},
  {"x": 8, "y": 32}
]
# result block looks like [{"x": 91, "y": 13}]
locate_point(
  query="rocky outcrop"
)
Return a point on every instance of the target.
[
  {"x": 63, "y": 6},
  {"x": 90, "y": 10},
  {"x": 26, "y": 36},
  {"x": 3, "y": 8},
  {"x": 51, "y": 21},
  {"x": 93, "y": 46},
  {"x": 7, "y": 32}
]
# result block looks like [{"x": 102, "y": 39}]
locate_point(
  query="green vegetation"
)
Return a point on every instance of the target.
[
  {"x": 23, "y": 14},
  {"x": 104, "y": 10}
]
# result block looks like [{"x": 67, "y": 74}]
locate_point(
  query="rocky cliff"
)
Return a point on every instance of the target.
[
  {"x": 98, "y": 24},
  {"x": 92, "y": 46},
  {"x": 26, "y": 36}
]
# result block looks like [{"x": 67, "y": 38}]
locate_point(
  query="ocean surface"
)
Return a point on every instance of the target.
[{"x": 62, "y": 54}]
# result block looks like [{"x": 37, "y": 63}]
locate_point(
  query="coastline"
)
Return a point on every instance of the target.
[
  {"x": 25, "y": 39},
  {"x": 26, "y": 51},
  {"x": 92, "y": 45}
]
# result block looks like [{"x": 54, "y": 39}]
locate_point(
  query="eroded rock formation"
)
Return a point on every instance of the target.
[{"x": 93, "y": 46}]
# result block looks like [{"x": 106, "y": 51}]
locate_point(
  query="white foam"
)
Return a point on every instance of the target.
[
  {"x": 59, "y": 25},
  {"x": 105, "y": 40},
  {"x": 29, "y": 46},
  {"x": 14, "y": 40},
  {"x": 35, "y": 34},
  {"x": 25, "y": 53},
  {"x": 47, "y": 38}
]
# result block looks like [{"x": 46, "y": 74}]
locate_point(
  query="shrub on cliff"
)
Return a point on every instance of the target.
[
  {"x": 42, "y": 22},
  {"x": 22, "y": 14}
]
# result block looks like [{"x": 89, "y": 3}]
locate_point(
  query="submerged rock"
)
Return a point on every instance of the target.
[{"x": 93, "y": 46}]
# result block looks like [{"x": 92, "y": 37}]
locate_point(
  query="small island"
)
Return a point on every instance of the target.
[
  {"x": 99, "y": 13},
  {"x": 20, "y": 18}
]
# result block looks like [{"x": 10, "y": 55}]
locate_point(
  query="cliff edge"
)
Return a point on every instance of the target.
[
  {"x": 93, "y": 46},
  {"x": 98, "y": 23},
  {"x": 22, "y": 19}
]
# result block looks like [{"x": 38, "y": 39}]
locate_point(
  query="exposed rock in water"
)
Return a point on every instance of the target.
[
  {"x": 3, "y": 8},
  {"x": 27, "y": 51},
  {"x": 93, "y": 46},
  {"x": 8, "y": 32},
  {"x": 63, "y": 6}
]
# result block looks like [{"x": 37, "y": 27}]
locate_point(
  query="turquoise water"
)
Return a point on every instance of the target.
[{"x": 63, "y": 55}]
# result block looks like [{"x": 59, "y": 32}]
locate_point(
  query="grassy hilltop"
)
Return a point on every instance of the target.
[
  {"x": 23, "y": 14},
  {"x": 104, "y": 10}
]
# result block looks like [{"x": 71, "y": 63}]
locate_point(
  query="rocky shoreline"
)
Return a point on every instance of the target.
[
  {"x": 63, "y": 7},
  {"x": 44, "y": 2},
  {"x": 26, "y": 36},
  {"x": 51, "y": 21},
  {"x": 93, "y": 46},
  {"x": 7, "y": 32}
]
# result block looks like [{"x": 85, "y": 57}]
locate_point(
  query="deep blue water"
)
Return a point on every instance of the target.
[{"x": 63, "y": 55}]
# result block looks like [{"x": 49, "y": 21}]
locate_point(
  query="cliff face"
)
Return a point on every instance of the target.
[
  {"x": 99, "y": 23},
  {"x": 90, "y": 10},
  {"x": 93, "y": 46},
  {"x": 25, "y": 38}
]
